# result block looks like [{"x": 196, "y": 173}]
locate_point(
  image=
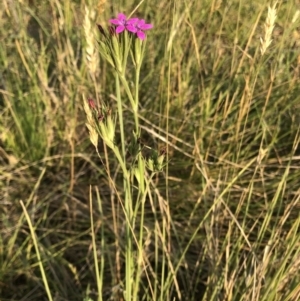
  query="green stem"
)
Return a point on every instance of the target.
[
  {"x": 142, "y": 192},
  {"x": 120, "y": 113},
  {"x": 127, "y": 90},
  {"x": 128, "y": 198},
  {"x": 136, "y": 102},
  {"x": 129, "y": 217},
  {"x": 137, "y": 126},
  {"x": 141, "y": 236}
]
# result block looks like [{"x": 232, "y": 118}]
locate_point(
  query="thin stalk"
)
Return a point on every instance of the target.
[
  {"x": 129, "y": 258},
  {"x": 136, "y": 98},
  {"x": 127, "y": 190},
  {"x": 38, "y": 255},
  {"x": 137, "y": 126},
  {"x": 142, "y": 192},
  {"x": 129, "y": 214},
  {"x": 141, "y": 236},
  {"x": 98, "y": 271},
  {"x": 120, "y": 114},
  {"x": 128, "y": 92}
]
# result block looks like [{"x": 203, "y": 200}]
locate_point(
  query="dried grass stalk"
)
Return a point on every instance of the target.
[
  {"x": 296, "y": 16},
  {"x": 89, "y": 31},
  {"x": 269, "y": 26}
]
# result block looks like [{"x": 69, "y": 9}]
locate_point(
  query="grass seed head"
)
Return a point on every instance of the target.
[
  {"x": 269, "y": 27},
  {"x": 89, "y": 32}
]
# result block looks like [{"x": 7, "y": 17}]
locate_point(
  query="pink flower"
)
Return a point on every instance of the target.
[
  {"x": 122, "y": 23},
  {"x": 140, "y": 27},
  {"x": 134, "y": 25}
]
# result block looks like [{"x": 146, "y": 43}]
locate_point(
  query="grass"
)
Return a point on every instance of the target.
[{"x": 220, "y": 222}]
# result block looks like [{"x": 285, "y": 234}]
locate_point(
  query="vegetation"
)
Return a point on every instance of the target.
[{"x": 214, "y": 105}]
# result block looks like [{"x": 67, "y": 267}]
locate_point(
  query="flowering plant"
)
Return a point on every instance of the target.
[
  {"x": 124, "y": 36},
  {"x": 134, "y": 25}
]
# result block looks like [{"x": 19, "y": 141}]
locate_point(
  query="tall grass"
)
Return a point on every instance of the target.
[{"x": 218, "y": 88}]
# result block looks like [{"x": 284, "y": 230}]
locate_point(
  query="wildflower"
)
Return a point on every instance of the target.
[
  {"x": 140, "y": 27},
  {"x": 122, "y": 23}
]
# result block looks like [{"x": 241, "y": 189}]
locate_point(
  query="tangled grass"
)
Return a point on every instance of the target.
[{"x": 222, "y": 219}]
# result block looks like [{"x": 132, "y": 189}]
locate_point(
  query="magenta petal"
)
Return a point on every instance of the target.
[
  {"x": 141, "y": 35},
  {"x": 133, "y": 20},
  {"x": 141, "y": 22},
  {"x": 115, "y": 21},
  {"x": 121, "y": 17},
  {"x": 131, "y": 28},
  {"x": 120, "y": 28},
  {"x": 146, "y": 26}
]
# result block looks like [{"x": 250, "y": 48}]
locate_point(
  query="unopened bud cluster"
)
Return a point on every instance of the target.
[{"x": 100, "y": 122}]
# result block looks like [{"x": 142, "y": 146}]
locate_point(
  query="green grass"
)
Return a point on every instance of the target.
[{"x": 221, "y": 222}]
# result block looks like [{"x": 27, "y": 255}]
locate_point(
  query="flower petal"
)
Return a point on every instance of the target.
[
  {"x": 131, "y": 28},
  {"x": 141, "y": 35},
  {"x": 121, "y": 17},
  {"x": 132, "y": 20},
  {"x": 146, "y": 26},
  {"x": 141, "y": 22},
  {"x": 120, "y": 28},
  {"x": 115, "y": 21}
]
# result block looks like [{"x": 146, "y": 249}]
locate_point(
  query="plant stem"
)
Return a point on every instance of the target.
[
  {"x": 128, "y": 197},
  {"x": 136, "y": 103},
  {"x": 120, "y": 113},
  {"x": 128, "y": 92},
  {"x": 141, "y": 236}
]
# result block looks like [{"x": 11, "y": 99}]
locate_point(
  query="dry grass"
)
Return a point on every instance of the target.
[
  {"x": 269, "y": 27},
  {"x": 92, "y": 55},
  {"x": 222, "y": 220}
]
